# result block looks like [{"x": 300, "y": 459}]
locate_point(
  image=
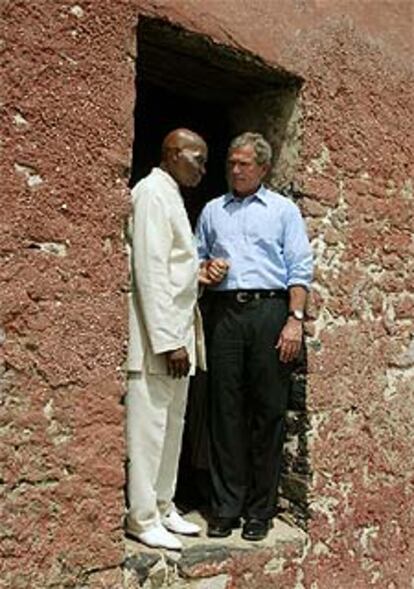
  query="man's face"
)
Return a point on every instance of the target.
[
  {"x": 190, "y": 164},
  {"x": 244, "y": 174}
]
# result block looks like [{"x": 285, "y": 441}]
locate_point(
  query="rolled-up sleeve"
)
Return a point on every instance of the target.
[
  {"x": 297, "y": 251},
  {"x": 201, "y": 234}
]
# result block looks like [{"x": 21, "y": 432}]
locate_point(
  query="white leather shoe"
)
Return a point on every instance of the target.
[
  {"x": 157, "y": 537},
  {"x": 175, "y": 523}
]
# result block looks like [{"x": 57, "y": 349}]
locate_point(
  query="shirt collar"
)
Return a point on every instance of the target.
[
  {"x": 167, "y": 177},
  {"x": 260, "y": 195}
]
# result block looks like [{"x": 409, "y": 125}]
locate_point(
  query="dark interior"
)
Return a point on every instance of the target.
[{"x": 159, "y": 110}]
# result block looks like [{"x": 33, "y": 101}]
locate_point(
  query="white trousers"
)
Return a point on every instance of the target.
[{"x": 155, "y": 407}]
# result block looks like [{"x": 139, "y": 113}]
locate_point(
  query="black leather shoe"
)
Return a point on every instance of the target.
[
  {"x": 256, "y": 529},
  {"x": 222, "y": 527}
]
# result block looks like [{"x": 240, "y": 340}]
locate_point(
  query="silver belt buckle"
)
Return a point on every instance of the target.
[{"x": 242, "y": 297}]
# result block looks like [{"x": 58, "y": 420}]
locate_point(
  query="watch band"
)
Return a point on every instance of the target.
[{"x": 297, "y": 314}]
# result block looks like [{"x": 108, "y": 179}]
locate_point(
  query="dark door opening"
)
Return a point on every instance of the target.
[
  {"x": 185, "y": 80},
  {"x": 161, "y": 109}
]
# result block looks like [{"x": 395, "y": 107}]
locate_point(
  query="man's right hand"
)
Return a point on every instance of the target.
[
  {"x": 178, "y": 362},
  {"x": 212, "y": 272}
]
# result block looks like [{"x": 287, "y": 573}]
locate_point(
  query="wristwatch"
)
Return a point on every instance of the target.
[{"x": 297, "y": 314}]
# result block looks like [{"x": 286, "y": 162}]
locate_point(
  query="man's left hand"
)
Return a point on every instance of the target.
[{"x": 290, "y": 341}]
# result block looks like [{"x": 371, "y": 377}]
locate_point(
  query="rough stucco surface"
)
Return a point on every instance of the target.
[
  {"x": 66, "y": 112},
  {"x": 67, "y": 107}
]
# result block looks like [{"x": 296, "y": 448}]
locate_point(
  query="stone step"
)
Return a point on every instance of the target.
[{"x": 210, "y": 563}]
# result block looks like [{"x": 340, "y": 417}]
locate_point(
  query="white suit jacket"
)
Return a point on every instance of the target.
[{"x": 163, "y": 312}]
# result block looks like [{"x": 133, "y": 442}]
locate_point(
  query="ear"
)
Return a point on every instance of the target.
[
  {"x": 266, "y": 169},
  {"x": 175, "y": 153}
]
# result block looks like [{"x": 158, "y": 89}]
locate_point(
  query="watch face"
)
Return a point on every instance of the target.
[{"x": 298, "y": 314}]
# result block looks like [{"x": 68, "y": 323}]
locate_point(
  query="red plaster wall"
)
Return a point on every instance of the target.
[{"x": 67, "y": 109}]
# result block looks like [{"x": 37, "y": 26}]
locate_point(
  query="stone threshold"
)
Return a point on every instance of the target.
[{"x": 210, "y": 563}]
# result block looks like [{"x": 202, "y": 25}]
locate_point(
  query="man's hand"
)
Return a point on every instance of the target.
[
  {"x": 212, "y": 272},
  {"x": 178, "y": 362},
  {"x": 290, "y": 340}
]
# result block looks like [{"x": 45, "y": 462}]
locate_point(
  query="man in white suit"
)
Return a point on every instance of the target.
[{"x": 165, "y": 344}]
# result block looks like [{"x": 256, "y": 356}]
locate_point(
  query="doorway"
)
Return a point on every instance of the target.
[
  {"x": 186, "y": 80},
  {"x": 161, "y": 109}
]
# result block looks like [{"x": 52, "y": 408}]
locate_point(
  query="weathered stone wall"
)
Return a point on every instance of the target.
[
  {"x": 66, "y": 112},
  {"x": 67, "y": 107}
]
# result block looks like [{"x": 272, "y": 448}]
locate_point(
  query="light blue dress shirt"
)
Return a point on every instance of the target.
[{"x": 263, "y": 237}]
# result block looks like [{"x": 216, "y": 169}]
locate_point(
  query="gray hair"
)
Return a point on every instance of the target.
[{"x": 261, "y": 147}]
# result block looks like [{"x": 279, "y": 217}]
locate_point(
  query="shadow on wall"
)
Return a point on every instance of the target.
[{"x": 296, "y": 474}]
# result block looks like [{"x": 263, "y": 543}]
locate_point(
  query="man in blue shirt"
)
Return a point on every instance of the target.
[{"x": 253, "y": 241}]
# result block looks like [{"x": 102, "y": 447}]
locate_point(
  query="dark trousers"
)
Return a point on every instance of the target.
[{"x": 249, "y": 387}]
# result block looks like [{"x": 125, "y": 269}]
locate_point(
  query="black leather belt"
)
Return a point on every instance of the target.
[{"x": 245, "y": 296}]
